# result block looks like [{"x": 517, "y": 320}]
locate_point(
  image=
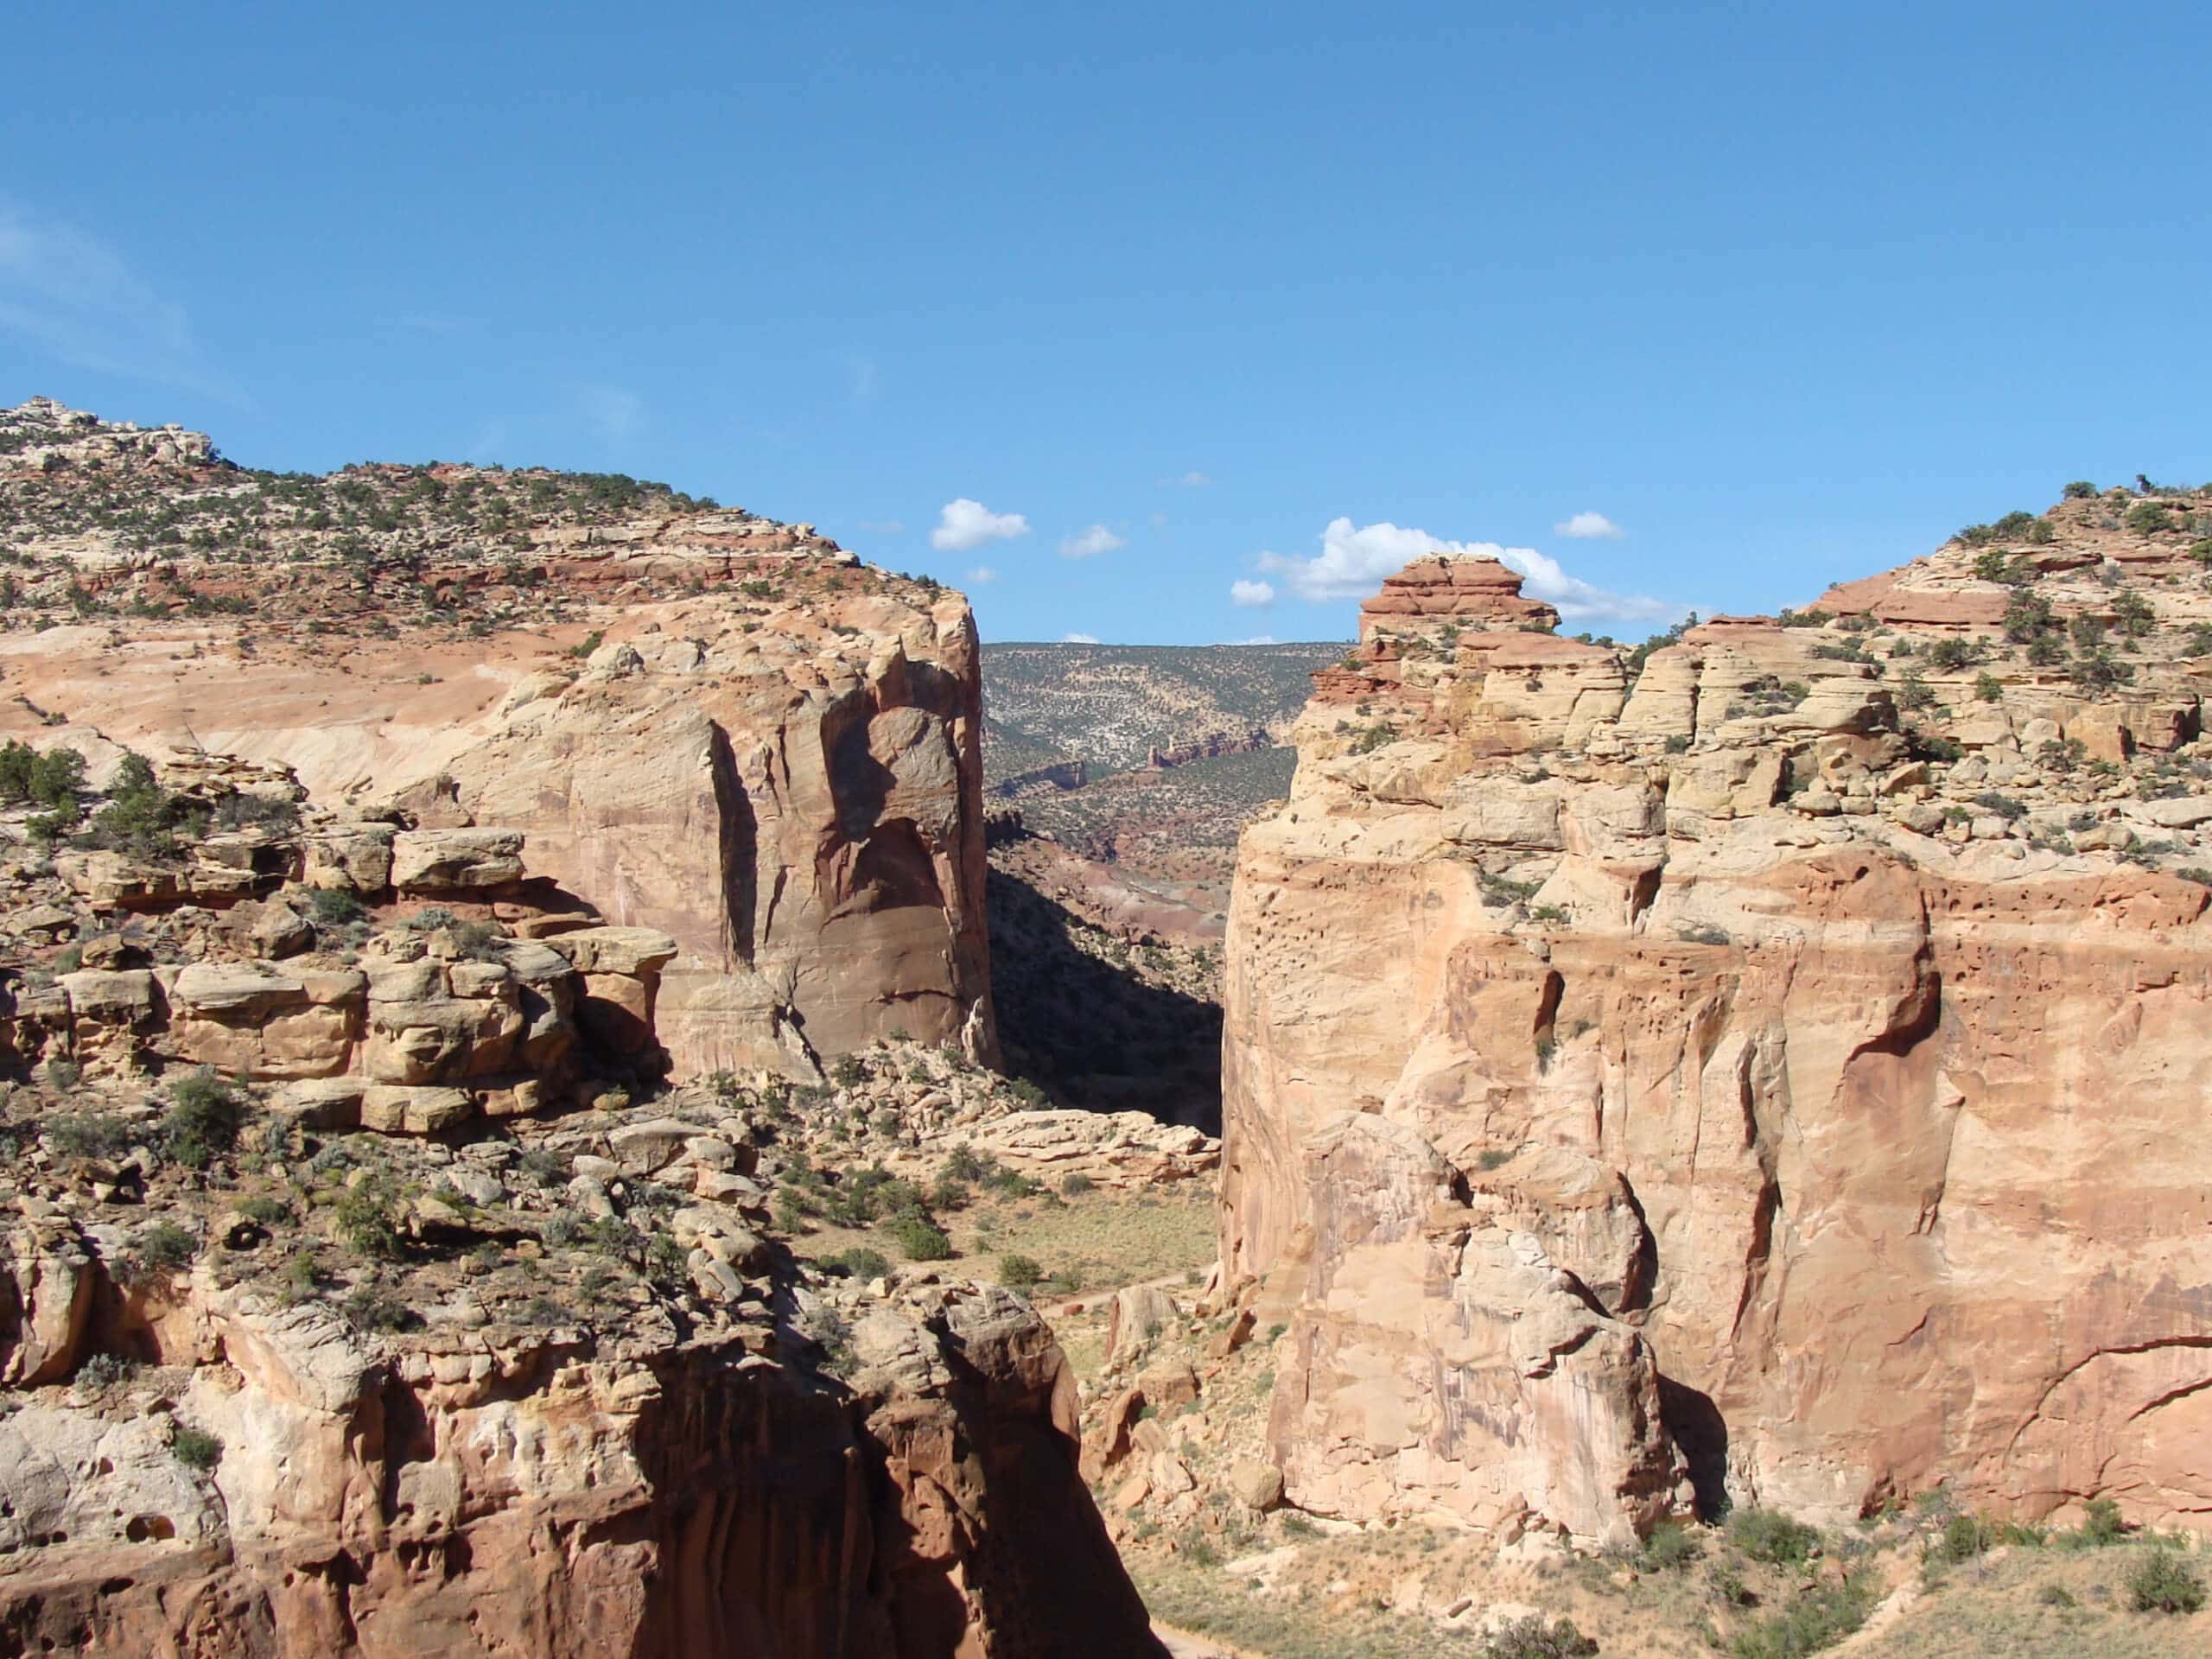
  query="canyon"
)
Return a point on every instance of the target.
[{"x": 543, "y": 1117}]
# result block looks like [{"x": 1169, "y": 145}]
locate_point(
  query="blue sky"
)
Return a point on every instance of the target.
[{"x": 1125, "y": 306}]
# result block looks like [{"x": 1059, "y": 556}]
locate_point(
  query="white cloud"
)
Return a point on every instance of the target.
[
  {"x": 1352, "y": 563},
  {"x": 618, "y": 413},
  {"x": 1092, "y": 541},
  {"x": 1251, "y": 594},
  {"x": 1078, "y": 638},
  {"x": 1190, "y": 480},
  {"x": 1258, "y": 639},
  {"x": 982, "y": 575},
  {"x": 1590, "y": 527},
  {"x": 965, "y": 524},
  {"x": 73, "y": 298}
]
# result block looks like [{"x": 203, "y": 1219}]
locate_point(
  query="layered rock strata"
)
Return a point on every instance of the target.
[
  {"x": 645, "y": 711},
  {"x": 630, "y": 1486},
  {"x": 1770, "y": 1056}
]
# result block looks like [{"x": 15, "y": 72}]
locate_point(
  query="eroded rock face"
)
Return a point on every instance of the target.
[
  {"x": 658, "y": 714},
  {"x": 569, "y": 1494},
  {"x": 1799, "y": 1043}
]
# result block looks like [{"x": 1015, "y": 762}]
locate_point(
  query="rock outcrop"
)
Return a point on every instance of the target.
[
  {"x": 1773, "y": 1056},
  {"x": 272, "y": 1484},
  {"x": 623, "y": 706},
  {"x": 412, "y": 1005}
]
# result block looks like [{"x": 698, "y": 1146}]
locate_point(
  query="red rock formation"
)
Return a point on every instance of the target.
[
  {"x": 565, "y": 1495},
  {"x": 1847, "y": 1089},
  {"x": 699, "y": 722}
]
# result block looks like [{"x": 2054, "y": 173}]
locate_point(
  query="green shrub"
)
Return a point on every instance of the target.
[
  {"x": 195, "y": 1448},
  {"x": 2100, "y": 670},
  {"x": 1946, "y": 655},
  {"x": 1964, "y": 1538},
  {"x": 1988, "y": 687},
  {"x": 55, "y": 777},
  {"x": 334, "y": 907},
  {"x": 1818, "y": 1618},
  {"x": 167, "y": 1246},
  {"x": 2148, "y": 519},
  {"x": 17, "y": 760},
  {"x": 962, "y": 1163},
  {"x": 203, "y": 1120},
  {"x": 1770, "y": 1536},
  {"x": 367, "y": 1219},
  {"x": 2101, "y": 1523},
  {"x": 859, "y": 1262},
  {"x": 90, "y": 1134},
  {"x": 1913, "y": 692},
  {"x": 104, "y": 1370},
  {"x": 1075, "y": 1184},
  {"x": 372, "y": 1307},
  {"x": 1670, "y": 1549},
  {"x": 2080, "y": 490},
  {"x": 1533, "y": 1637},
  {"x": 2027, "y": 616},
  {"x": 919, "y": 1239},
  {"x": 141, "y": 816},
  {"x": 1020, "y": 1272},
  {"x": 267, "y": 1211},
  {"x": 2162, "y": 1583}
]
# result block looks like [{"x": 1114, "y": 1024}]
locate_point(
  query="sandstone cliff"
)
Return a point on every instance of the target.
[
  {"x": 681, "y": 716},
  {"x": 420, "y": 892},
  {"x": 1766, "y": 1068}
]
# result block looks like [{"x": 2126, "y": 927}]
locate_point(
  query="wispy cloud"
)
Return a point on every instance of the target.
[
  {"x": 1353, "y": 561},
  {"x": 1251, "y": 594},
  {"x": 617, "y": 412},
  {"x": 1590, "y": 527},
  {"x": 982, "y": 575},
  {"x": 1078, "y": 638},
  {"x": 866, "y": 382},
  {"x": 965, "y": 524},
  {"x": 1258, "y": 639},
  {"x": 70, "y": 297},
  {"x": 884, "y": 526},
  {"x": 1190, "y": 480},
  {"x": 1091, "y": 543}
]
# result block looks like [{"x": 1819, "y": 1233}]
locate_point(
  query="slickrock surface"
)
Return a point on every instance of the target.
[
  {"x": 631, "y": 707},
  {"x": 1770, "y": 1064}
]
